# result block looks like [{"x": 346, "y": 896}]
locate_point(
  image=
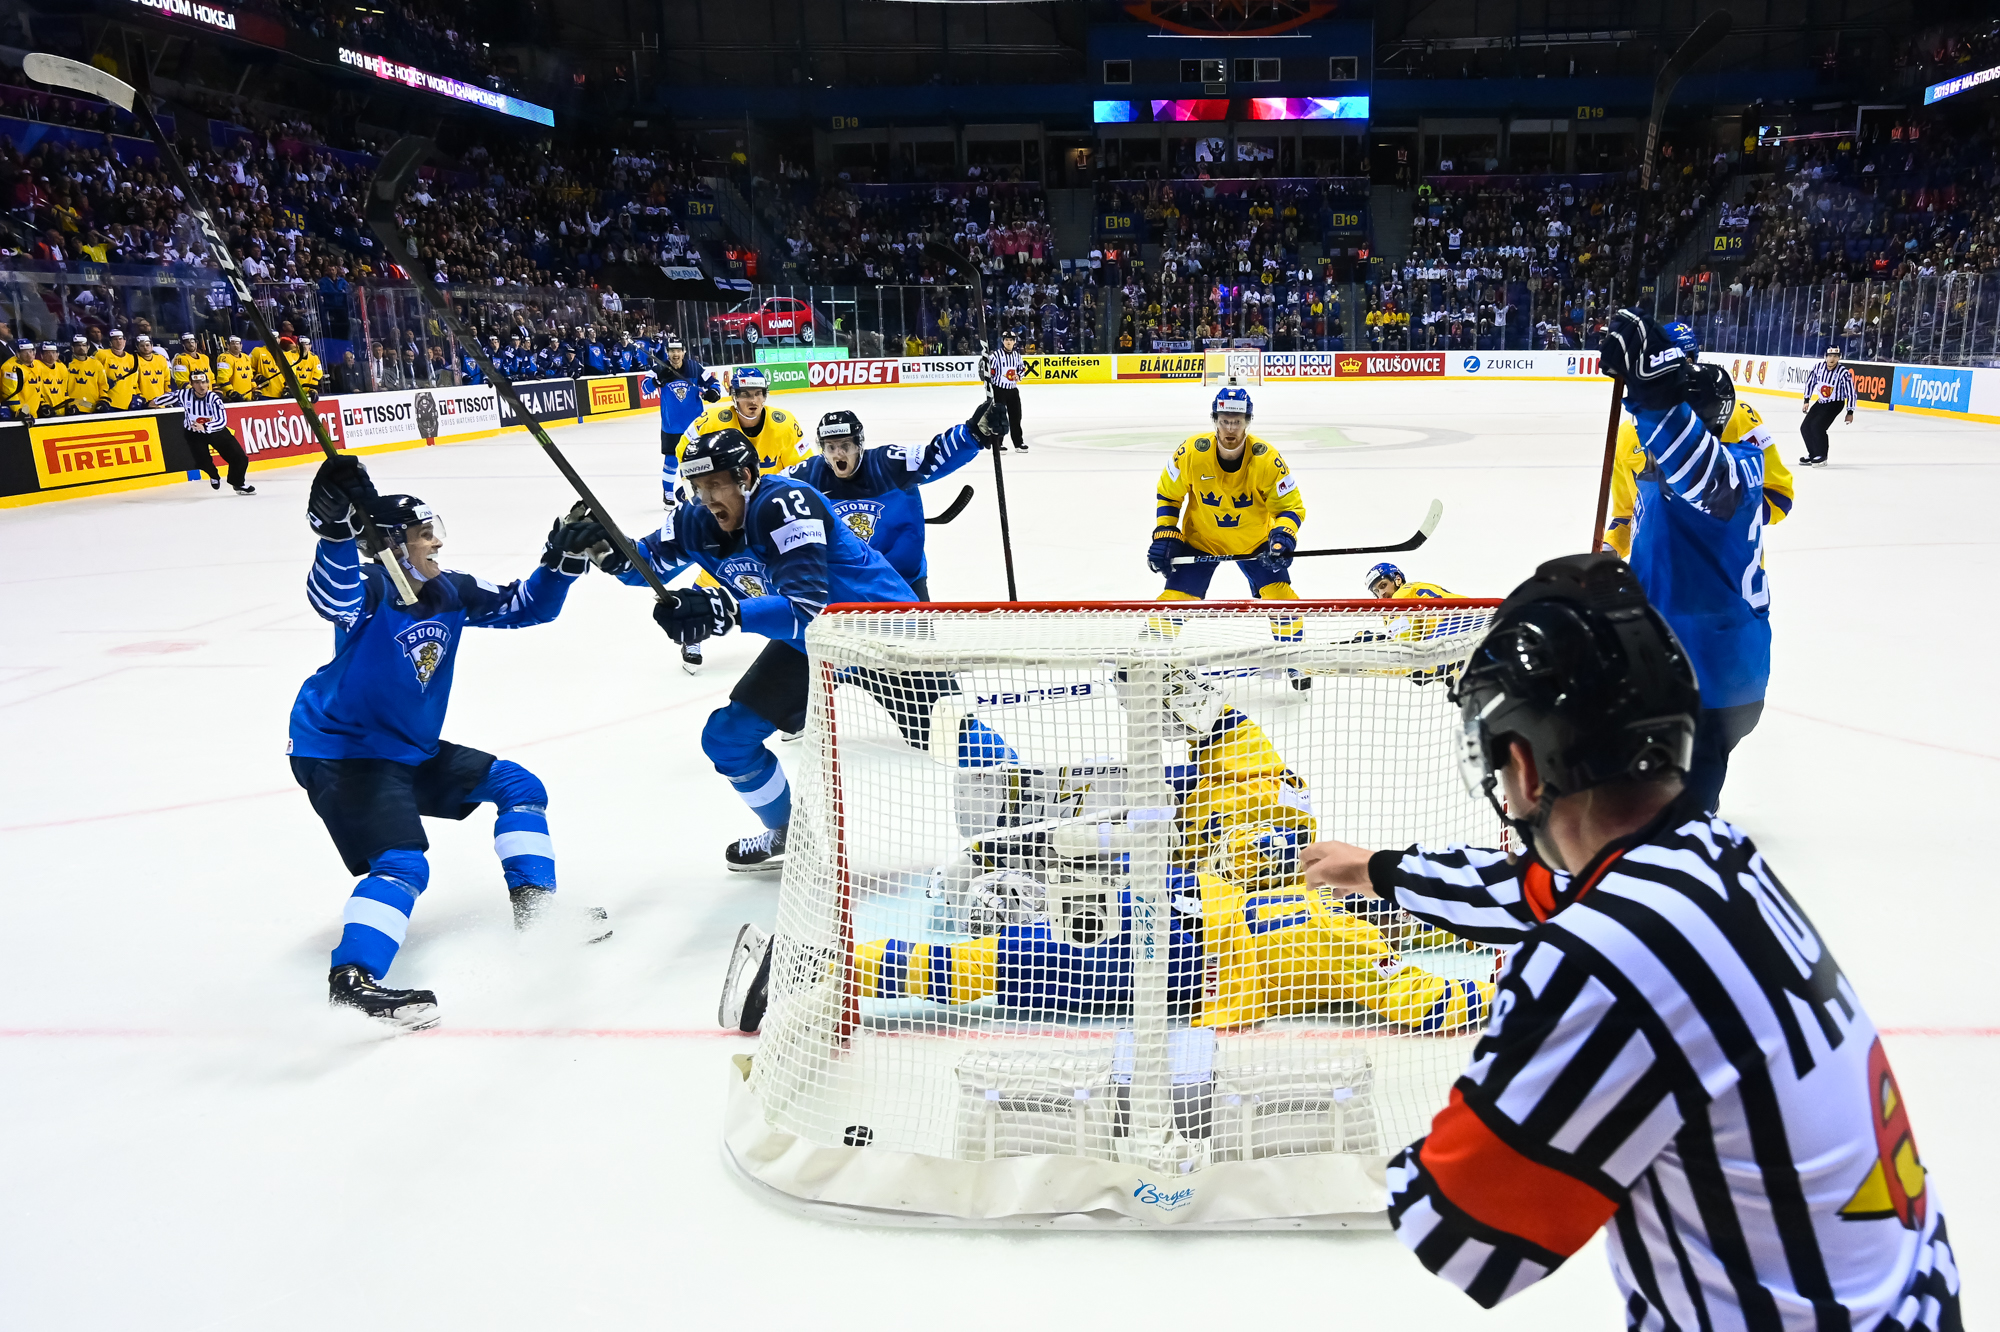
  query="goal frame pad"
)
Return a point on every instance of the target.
[{"x": 867, "y": 1182}]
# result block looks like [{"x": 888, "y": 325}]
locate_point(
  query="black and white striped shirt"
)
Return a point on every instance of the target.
[
  {"x": 1674, "y": 1055},
  {"x": 202, "y": 413},
  {"x": 1824, "y": 385},
  {"x": 1005, "y": 368}
]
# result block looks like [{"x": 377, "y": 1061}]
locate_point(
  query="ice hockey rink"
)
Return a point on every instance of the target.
[{"x": 194, "y": 1141}]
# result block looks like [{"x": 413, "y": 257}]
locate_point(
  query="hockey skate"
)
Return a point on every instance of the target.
[
  {"x": 541, "y": 911},
  {"x": 761, "y": 854},
  {"x": 747, "y": 985},
  {"x": 352, "y": 987},
  {"x": 691, "y": 658}
]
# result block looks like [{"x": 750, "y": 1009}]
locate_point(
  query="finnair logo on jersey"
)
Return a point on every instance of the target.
[
  {"x": 425, "y": 644},
  {"x": 799, "y": 532}
]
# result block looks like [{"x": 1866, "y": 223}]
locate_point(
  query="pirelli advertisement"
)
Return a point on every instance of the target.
[{"x": 86, "y": 450}]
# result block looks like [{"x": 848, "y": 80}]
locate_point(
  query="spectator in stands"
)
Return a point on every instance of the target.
[{"x": 347, "y": 376}]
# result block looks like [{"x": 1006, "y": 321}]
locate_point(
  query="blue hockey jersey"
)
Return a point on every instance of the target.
[
  {"x": 791, "y": 559},
  {"x": 681, "y": 395},
  {"x": 385, "y": 692},
  {"x": 879, "y": 502},
  {"x": 1698, "y": 550}
]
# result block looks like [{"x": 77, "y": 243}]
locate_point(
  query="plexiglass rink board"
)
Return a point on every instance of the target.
[{"x": 1043, "y": 893}]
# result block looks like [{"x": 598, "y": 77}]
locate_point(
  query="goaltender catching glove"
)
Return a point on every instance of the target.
[
  {"x": 1637, "y": 350},
  {"x": 696, "y": 613}
]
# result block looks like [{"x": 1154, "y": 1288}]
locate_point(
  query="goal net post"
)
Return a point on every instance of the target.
[
  {"x": 1043, "y": 950},
  {"x": 1239, "y": 367}
]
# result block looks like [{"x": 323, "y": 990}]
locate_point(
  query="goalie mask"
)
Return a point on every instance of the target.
[{"x": 1191, "y": 701}]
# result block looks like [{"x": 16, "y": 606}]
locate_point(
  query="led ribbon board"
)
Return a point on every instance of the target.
[
  {"x": 1309, "y": 108},
  {"x": 1937, "y": 92},
  {"x": 410, "y": 76},
  {"x": 1192, "y": 108}
]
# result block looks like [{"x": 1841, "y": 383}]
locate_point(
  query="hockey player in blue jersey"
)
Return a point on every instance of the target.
[
  {"x": 780, "y": 556},
  {"x": 365, "y": 727},
  {"x": 1698, "y": 541},
  {"x": 874, "y": 491},
  {"x": 685, "y": 387}
]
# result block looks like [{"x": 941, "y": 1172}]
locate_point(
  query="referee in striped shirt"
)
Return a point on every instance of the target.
[
  {"x": 1828, "y": 388},
  {"x": 1674, "y": 1056},
  {"x": 207, "y": 424}
]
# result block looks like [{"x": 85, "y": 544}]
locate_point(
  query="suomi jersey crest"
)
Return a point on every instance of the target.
[{"x": 425, "y": 644}]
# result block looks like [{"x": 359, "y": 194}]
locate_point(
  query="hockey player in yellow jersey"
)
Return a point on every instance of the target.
[
  {"x": 15, "y": 400},
  {"x": 48, "y": 381},
  {"x": 777, "y": 435},
  {"x": 88, "y": 389},
  {"x": 1249, "y": 941},
  {"x": 311, "y": 373},
  {"x": 267, "y": 380},
  {"x": 1731, "y": 421},
  {"x": 233, "y": 377},
  {"x": 1227, "y": 493},
  {"x": 155, "y": 377},
  {"x": 189, "y": 359},
  {"x": 121, "y": 371}
]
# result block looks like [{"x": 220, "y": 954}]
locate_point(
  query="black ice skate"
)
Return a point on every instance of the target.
[
  {"x": 244, "y": 490},
  {"x": 748, "y": 982},
  {"x": 691, "y": 658},
  {"x": 352, "y": 987},
  {"x": 761, "y": 854},
  {"x": 541, "y": 911}
]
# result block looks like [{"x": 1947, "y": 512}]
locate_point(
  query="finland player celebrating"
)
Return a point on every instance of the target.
[
  {"x": 1699, "y": 510},
  {"x": 874, "y": 491},
  {"x": 685, "y": 386},
  {"x": 1674, "y": 1056},
  {"x": 1227, "y": 493},
  {"x": 365, "y": 727},
  {"x": 776, "y": 556}
]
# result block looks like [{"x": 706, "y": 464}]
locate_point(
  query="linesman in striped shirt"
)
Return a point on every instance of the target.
[
  {"x": 1829, "y": 388},
  {"x": 1674, "y": 1056},
  {"x": 207, "y": 424}
]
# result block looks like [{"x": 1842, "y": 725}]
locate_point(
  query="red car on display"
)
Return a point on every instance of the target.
[{"x": 777, "y": 317}]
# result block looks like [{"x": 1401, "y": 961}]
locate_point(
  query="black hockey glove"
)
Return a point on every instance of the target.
[
  {"x": 988, "y": 424},
  {"x": 339, "y": 486},
  {"x": 1277, "y": 553},
  {"x": 1160, "y": 556},
  {"x": 711, "y": 391},
  {"x": 696, "y": 613},
  {"x": 1637, "y": 350},
  {"x": 570, "y": 539}
]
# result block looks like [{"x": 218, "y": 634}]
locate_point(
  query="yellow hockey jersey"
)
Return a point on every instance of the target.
[
  {"x": 48, "y": 385},
  {"x": 269, "y": 381},
  {"x": 233, "y": 378},
  {"x": 155, "y": 378},
  {"x": 1219, "y": 510},
  {"x": 121, "y": 376},
  {"x": 13, "y": 380},
  {"x": 1744, "y": 423},
  {"x": 87, "y": 385},
  {"x": 1240, "y": 778},
  {"x": 779, "y": 438},
  {"x": 186, "y": 363},
  {"x": 311, "y": 372}
]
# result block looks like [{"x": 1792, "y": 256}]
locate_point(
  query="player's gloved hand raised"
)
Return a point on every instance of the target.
[
  {"x": 1277, "y": 553},
  {"x": 339, "y": 487},
  {"x": 988, "y": 423},
  {"x": 570, "y": 539},
  {"x": 1160, "y": 556},
  {"x": 696, "y": 613},
  {"x": 711, "y": 391},
  {"x": 1637, "y": 350}
]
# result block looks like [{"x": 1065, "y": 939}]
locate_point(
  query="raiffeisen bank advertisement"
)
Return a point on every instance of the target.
[{"x": 411, "y": 77}]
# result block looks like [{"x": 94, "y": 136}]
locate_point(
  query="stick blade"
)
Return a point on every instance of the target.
[
  {"x": 1431, "y": 519},
  {"x": 60, "y": 72}
]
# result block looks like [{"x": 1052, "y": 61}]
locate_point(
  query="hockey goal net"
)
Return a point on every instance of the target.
[
  {"x": 1237, "y": 366},
  {"x": 1042, "y": 944}
]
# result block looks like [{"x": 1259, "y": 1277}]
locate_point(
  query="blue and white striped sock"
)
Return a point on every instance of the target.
[
  {"x": 377, "y": 917},
  {"x": 521, "y": 840},
  {"x": 766, "y": 791}
]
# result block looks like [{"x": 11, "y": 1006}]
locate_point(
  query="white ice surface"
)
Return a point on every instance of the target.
[{"x": 192, "y": 1141}]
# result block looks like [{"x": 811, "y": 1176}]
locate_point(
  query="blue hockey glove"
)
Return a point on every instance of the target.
[
  {"x": 1277, "y": 553},
  {"x": 1160, "y": 556},
  {"x": 1638, "y": 351},
  {"x": 570, "y": 539},
  {"x": 696, "y": 613},
  {"x": 339, "y": 487}
]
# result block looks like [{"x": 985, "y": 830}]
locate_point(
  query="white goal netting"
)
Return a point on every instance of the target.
[{"x": 1043, "y": 947}]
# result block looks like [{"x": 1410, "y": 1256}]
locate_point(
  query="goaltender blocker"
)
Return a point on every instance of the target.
[{"x": 1674, "y": 1055}]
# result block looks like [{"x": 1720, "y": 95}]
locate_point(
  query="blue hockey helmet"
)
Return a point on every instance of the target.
[
  {"x": 1683, "y": 336},
  {"x": 1230, "y": 400},
  {"x": 1381, "y": 571},
  {"x": 750, "y": 377}
]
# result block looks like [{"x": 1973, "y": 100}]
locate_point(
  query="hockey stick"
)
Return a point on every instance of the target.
[
  {"x": 1706, "y": 36},
  {"x": 1423, "y": 534},
  {"x": 956, "y": 508},
  {"x": 392, "y": 175},
  {"x": 78, "y": 77},
  {"x": 958, "y": 263}
]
